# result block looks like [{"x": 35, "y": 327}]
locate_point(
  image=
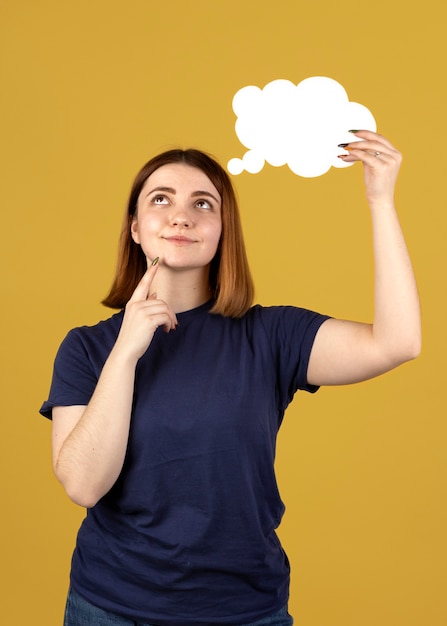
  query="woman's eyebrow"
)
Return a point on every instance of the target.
[
  {"x": 167, "y": 189},
  {"x": 205, "y": 193},
  {"x": 173, "y": 191}
]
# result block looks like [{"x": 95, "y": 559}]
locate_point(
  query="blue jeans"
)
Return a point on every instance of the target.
[{"x": 79, "y": 612}]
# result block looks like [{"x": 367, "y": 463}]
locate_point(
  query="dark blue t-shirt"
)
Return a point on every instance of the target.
[{"x": 186, "y": 536}]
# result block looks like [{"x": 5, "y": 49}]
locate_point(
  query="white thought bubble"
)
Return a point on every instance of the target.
[{"x": 296, "y": 125}]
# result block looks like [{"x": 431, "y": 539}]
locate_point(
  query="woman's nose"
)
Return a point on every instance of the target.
[{"x": 181, "y": 218}]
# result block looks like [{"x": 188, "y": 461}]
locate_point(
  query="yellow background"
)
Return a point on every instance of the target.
[{"x": 89, "y": 91}]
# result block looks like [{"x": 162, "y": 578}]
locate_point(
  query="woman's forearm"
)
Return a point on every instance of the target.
[
  {"x": 90, "y": 459},
  {"x": 397, "y": 323}
]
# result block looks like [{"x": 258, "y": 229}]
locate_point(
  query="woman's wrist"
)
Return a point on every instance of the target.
[{"x": 120, "y": 356}]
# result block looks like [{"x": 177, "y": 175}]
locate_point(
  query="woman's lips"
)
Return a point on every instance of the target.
[{"x": 179, "y": 240}]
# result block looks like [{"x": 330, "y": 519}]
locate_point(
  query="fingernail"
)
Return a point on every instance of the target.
[
  {"x": 353, "y": 131},
  {"x": 343, "y": 145},
  {"x": 155, "y": 261}
]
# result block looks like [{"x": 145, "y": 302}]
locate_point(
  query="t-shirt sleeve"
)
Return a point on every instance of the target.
[
  {"x": 292, "y": 332},
  {"x": 74, "y": 375}
]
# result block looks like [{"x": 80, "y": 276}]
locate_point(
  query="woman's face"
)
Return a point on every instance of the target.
[{"x": 178, "y": 217}]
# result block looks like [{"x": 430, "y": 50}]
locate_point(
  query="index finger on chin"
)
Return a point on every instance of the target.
[{"x": 142, "y": 289}]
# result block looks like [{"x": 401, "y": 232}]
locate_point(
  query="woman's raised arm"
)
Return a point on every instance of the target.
[{"x": 347, "y": 352}]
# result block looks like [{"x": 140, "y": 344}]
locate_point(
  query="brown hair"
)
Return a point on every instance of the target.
[{"x": 230, "y": 278}]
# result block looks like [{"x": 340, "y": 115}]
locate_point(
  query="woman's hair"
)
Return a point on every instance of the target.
[{"x": 230, "y": 278}]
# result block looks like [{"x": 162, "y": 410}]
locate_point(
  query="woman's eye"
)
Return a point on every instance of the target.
[
  {"x": 203, "y": 204},
  {"x": 160, "y": 200}
]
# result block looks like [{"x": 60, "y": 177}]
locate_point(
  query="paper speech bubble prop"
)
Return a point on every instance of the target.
[{"x": 296, "y": 125}]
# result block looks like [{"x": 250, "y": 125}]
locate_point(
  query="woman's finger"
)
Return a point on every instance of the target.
[
  {"x": 141, "y": 291},
  {"x": 371, "y": 136},
  {"x": 370, "y": 142},
  {"x": 154, "y": 308}
]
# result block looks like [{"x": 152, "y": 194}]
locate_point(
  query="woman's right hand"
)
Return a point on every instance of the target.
[
  {"x": 144, "y": 313},
  {"x": 90, "y": 442}
]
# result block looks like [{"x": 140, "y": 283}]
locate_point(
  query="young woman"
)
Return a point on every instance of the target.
[{"x": 165, "y": 416}]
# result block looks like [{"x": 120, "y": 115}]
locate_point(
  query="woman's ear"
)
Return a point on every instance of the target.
[{"x": 134, "y": 230}]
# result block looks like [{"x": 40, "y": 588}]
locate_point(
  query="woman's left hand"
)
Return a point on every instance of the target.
[{"x": 381, "y": 163}]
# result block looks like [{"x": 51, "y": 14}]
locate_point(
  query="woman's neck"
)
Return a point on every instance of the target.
[{"x": 182, "y": 290}]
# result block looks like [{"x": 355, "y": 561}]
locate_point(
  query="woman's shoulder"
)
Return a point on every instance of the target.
[
  {"x": 102, "y": 333},
  {"x": 278, "y": 311},
  {"x": 286, "y": 316},
  {"x": 105, "y": 325}
]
